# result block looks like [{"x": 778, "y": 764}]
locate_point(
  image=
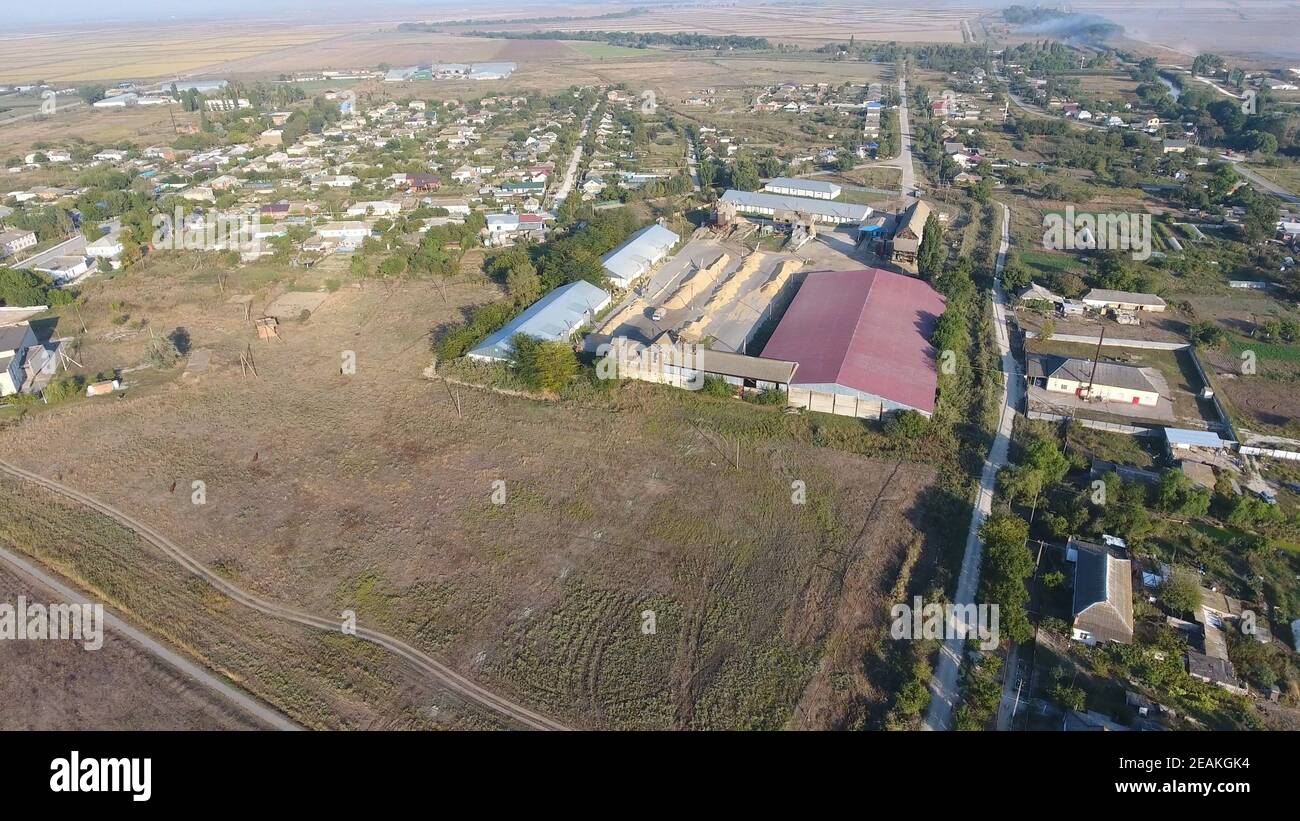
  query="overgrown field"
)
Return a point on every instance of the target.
[{"x": 373, "y": 492}]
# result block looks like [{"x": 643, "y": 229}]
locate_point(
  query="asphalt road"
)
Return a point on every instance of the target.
[
  {"x": 943, "y": 686},
  {"x": 566, "y": 185},
  {"x": 421, "y": 661},
  {"x": 76, "y": 246}
]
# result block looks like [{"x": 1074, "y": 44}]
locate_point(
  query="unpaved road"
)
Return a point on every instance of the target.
[{"x": 943, "y": 686}]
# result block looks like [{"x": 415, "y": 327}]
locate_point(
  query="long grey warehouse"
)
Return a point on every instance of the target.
[{"x": 782, "y": 207}]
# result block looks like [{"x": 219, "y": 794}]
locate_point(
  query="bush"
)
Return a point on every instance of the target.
[
  {"x": 61, "y": 390},
  {"x": 484, "y": 321},
  {"x": 768, "y": 397},
  {"x": 546, "y": 366},
  {"x": 717, "y": 386},
  {"x": 907, "y": 424},
  {"x": 161, "y": 352}
]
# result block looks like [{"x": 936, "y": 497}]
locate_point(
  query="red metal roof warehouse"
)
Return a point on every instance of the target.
[{"x": 865, "y": 332}]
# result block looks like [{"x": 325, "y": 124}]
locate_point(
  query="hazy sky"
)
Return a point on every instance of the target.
[{"x": 65, "y": 12}]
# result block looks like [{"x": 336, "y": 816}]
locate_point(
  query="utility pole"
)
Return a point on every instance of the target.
[{"x": 1095, "y": 356}]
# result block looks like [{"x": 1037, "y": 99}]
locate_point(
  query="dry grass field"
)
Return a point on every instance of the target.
[
  {"x": 62, "y": 686},
  {"x": 142, "y": 126},
  {"x": 268, "y": 48},
  {"x": 150, "y": 51},
  {"x": 371, "y": 493}
]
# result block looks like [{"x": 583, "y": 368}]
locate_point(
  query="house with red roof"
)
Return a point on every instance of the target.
[{"x": 862, "y": 342}]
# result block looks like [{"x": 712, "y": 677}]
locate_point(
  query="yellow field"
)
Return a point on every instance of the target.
[
  {"x": 264, "y": 48},
  {"x": 155, "y": 52}
]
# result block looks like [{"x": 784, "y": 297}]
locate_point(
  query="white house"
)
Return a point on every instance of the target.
[
  {"x": 106, "y": 247},
  {"x": 15, "y": 240},
  {"x": 1102, "y": 298},
  {"x": 344, "y": 230},
  {"x": 379, "y": 208},
  {"x": 15, "y": 341},
  {"x": 1089, "y": 380},
  {"x": 65, "y": 269}
]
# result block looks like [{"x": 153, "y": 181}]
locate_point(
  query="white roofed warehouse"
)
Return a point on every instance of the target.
[
  {"x": 785, "y": 208},
  {"x": 815, "y": 189},
  {"x": 640, "y": 253},
  {"x": 553, "y": 318}
]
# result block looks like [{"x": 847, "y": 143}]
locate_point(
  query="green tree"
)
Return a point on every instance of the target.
[
  {"x": 543, "y": 365},
  {"x": 931, "y": 253},
  {"x": 1181, "y": 591}
]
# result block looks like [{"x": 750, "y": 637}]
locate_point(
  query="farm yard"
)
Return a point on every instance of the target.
[{"x": 372, "y": 493}]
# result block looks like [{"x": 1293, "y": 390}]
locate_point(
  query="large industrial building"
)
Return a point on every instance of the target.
[
  {"x": 785, "y": 208},
  {"x": 862, "y": 343},
  {"x": 815, "y": 189},
  {"x": 642, "y": 251},
  {"x": 553, "y": 318}
]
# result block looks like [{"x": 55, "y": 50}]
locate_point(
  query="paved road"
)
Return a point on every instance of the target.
[
  {"x": 943, "y": 687},
  {"x": 184, "y": 666},
  {"x": 423, "y": 662},
  {"x": 907, "y": 177},
  {"x": 76, "y": 246},
  {"x": 692, "y": 165},
  {"x": 1271, "y": 187},
  {"x": 566, "y": 185}
]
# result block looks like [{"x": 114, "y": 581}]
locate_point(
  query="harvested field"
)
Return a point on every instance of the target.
[
  {"x": 371, "y": 493},
  {"x": 153, "y": 51}
]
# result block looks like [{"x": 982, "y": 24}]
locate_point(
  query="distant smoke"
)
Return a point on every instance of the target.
[{"x": 1081, "y": 28}]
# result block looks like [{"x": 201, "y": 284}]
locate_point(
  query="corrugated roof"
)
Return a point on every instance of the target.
[
  {"x": 784, "y": 202},
  {"x": 643, "y": 249},
  {"x": 552, "y": 318},
  {"x": 1103, "y": 295},
  {"x": 1103, "y": 593},
  {"x": 1193, "y": 438},
  {"x": 1107, "y": 374},
  {"x": 804, "y": 185},
  {"x": 866, "y": 331}
]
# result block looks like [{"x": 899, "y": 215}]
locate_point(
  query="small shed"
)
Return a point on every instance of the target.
[{"x": 1183, "y": 442}]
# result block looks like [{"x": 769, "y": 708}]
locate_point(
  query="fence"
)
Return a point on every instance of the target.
[
  {"x": 1113, "y": 427},
  {"x": 1289, "y": 455}
]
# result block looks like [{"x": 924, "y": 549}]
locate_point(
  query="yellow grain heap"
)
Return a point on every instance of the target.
[
  {"x": 699, "y": 283},
  {"x": 781, "y": 277}
]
